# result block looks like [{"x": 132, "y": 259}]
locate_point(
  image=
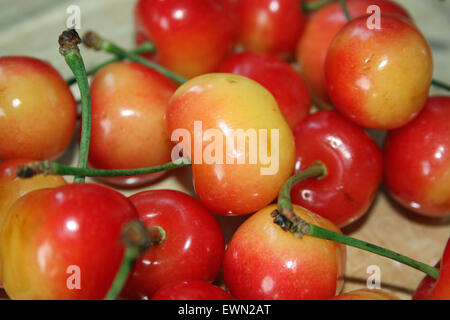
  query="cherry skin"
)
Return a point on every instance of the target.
[
  {"x": 52, "y": 236},
  {"x": 270, "y": 26},
  {"x": 379, "y": 78},
  {"x": 417, "y": 161},
  {"x": 366, "y": 294},
  {"x": 232, "y": 178},
  {"x": 277, "y": 76},
  {"x": 191, "y": 37},
  {"x": 192, "y": 250},
  {"x": 354, "y": 167},
  {"x": 431, "y": 289},
  {"x": 38, "y": 112},
  {"x": 191, "y": 290},
  {"x": 129, "y": 102},
  {"x": 263, "y": 262},
  {"x": 320, "y": 31}
]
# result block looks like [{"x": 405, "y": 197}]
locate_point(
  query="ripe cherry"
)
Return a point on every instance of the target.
[
  {"x": 277, "y": 76},
  {"x": 191, "y": 37},
  {"x": 129, "y": 102},
  {"x": 354, "y": 167},
  {"x": 320, "y": 31},
  {"x": 417, "y": 161},
  {"x": 366, "y": 294},
  {"x": 64, "y": 242},
  {"x": 191, "y": 290},
  {"x": 379, "y": 78},
  {"x": 193, "y": 248},
  {"x": 241, "y": 146},
  {"x": 264, "y": 262},
  {"x": 37, "y": 110},
  {"x": 431, "y": 289}
]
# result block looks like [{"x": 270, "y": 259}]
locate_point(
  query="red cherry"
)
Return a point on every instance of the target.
[
  {"x": 38, "y": 112},
  {"x": 191, "y": 37},
  {"x": 191, "y": 290},
  {"x": 270, "y": 26},
  {"x": 379, "y": 78},
  {"x": 417, "y": 161},
  {"x": 193, "y": 248},
  {"x": 53, "y": 234},
  {"x": 277, "y": 76},
  {"x": 353, "y": 161},
  {"x": 129, "y": 102},
  {"x": 431, "y": 289},
  {"x": 263, "y": 261},
  {"x": 320, "y": 31}
]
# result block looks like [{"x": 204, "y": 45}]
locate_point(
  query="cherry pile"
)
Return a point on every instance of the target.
[{"x": 202, "y": 71}]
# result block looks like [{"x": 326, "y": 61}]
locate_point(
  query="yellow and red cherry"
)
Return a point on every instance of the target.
[{"x": 191, "y": 290}]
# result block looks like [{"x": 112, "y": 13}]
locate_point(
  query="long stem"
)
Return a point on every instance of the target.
[
  {"x": 145, "y": 47},
  {"x": 93, "y": 40},
  {"x": 286, "y": 218},
  {"x": 440, "y": 84},
  {"x": 47, "y": 167},
  {"x": 312, "y": 6},
  {"x": 345, "y": 8},
  {"x": 69, "y": 41},
  {"x": 137, "y": 239}
]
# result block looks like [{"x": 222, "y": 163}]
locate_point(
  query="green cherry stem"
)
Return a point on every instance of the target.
[
  {"x": 69, "y": 41},
  {"x": 145, "y": 47},
  {"x": 286, "y": 218},
  {"x": 94, "y": 41},
  {"x": 440, "y": 84},
  {"x": 137, "y": 239},
  {"x": 345, "y": 8},
  {"x": 48, "y": 167},
  {"x": 312, "y": 6}
]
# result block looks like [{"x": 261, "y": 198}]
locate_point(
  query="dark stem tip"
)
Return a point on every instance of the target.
[
  {"x": 32, "y": 169},
  {"x": 92, "y": 40},
  {"x": 136, "y": 234},
  {"x": 68, "y": 40}
]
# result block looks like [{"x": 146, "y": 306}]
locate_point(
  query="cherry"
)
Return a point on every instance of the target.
[
  {"x": 37, "y": 110},
  {"x": 277, "y": 76},
  {"x": 320, "y": 31},
  {"x": 264, "y": 262},
  {"x": 56, "y": 239},
  {"x": 270, "y": 26},
  {"x": 128, "y": 104},
  {"x": 191, "y": 290},
  {"x": 431, "y": 289},
  {"x": 191, "y": 37},
  {"x": 417, "y": 161},
  {"x": 354, "y": 167},
  {"x": 210, "y": 113},
  {"x": 379, "y": 78},
  {"x": 193, "y": 248},
  {"x": 366, "y": 294}
]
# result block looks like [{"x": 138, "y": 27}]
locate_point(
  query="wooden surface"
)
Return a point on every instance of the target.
[{"x": 32, "y": 28}]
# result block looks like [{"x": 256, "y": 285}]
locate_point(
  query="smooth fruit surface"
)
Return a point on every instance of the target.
[
  {"x": 191, "y": 290},
  {"x": 354, "y": 167},
  {"x": 37, "y": 110},
  {"x": 192, "y": 250},
  {"x": 277, "y": 76},
  {"x": 379, "y": 78},
  {"x": 417, "y": 161},
  {"x": 262, "y": 261},
  {"x": 216, "y": 111}
]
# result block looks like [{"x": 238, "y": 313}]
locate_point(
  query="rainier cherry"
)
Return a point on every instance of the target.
[
  {"x": 263, "y": 261},
  {"x": 354, "y": 167},
  {"x": 277, "y": 76},
  {"x": 320, "y": 31},
  {"x": 129, "y": 102},
  {"x": 379, "y": 78},
  {"x": 191, "y": 37},
  {"x": 193, "y": 247},
  {"x": 241, "y": 146},
  {"x": 417, "y": 161},
  {"x": 37, "y": 110},
  {"x": 191, "y": 290}
]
